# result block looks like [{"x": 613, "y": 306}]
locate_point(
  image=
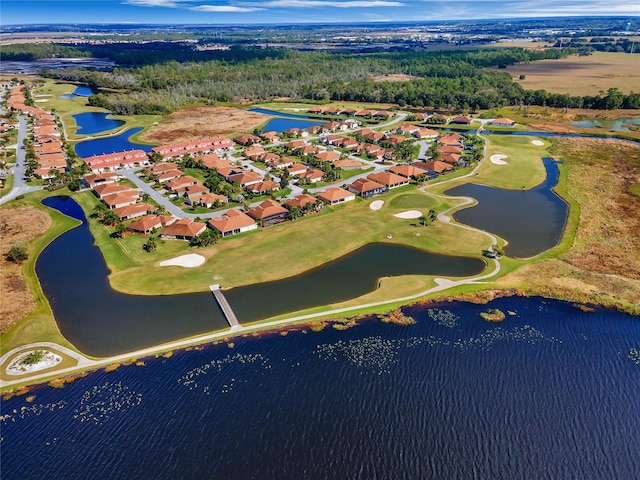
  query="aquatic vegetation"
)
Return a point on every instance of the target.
[
  {"x": 317, "y": 326},
  {"x": 374, "y": 353},
  {"x": 344, "y": 324},
  {"x": 140, "y": 363},
  {"x": 102, "y": 402},
  {"x": 634, "y": 355},
  {"x": 112, "y": 368},
  {"x": 397, "y": 317},
  {"x": 493, "y": 315},
  {"x": 231, "y": 344},
  {"x": 446, "y": 318},
  {"x": 61, "y": 382},
  {"x": 487, "y": 340},
  {"x": 30, "y": 399},
  {"x": 190, "y": 379}
]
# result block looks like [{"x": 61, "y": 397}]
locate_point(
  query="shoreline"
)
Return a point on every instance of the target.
[{"x": 87, "y": 366}]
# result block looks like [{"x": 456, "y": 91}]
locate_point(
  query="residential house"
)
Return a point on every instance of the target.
[
  {"x": 502, "y": 122},
  {"x": 145, "y": 224},
  {"x": 335, "y": 195},
  {"x": 313, "y": 175},
  {"x": 408, "y": 171},
  {"x": 269, "y": 213},
  {"x": 245, "y": 179},
  {"x": 183, "y": 229},
  {"x": 301, "y": 201},
  {"x": 103, "y": 190},
  {"x": 347, "y": 164},
  {"x": 178, "y": 185},
  {"x": 462, "y": 120},
  {"x": 407, "y": 129},
  {"x": 329, "y": 156},
  {"x": 232, "y": 223},
  {"x": 433, "y": 167},
  {"x": 271, "y": 137},
  {"x": 168, "y": 175},
  {"x": 367, "y": 188},
  {"x": 426, "y": 133},
  {"x": 122, "y": 199},
  {"x": 209, "y": 200},
  {"x": 254, "y": 152},
  {"x": 389, "y": 179},
  {"x": 115, "y": 161},
  {"x": 264, "y": 187},
  {"x": 95, "y": 180},
  {"x": 296, "y": 169},
  {"x": 127, "y": 212},
  {"x": 193, "y": 193},
  {"x": 451, "y": 158}
]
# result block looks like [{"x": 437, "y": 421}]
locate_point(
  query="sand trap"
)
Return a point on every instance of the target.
[
  {"x": 189, "y": 261},
  {"x": 537, "y": 143},
  {"x": 409, "y": 214},
  {"x": 498, "y": 159},
  {"x": 376, "y": 204}
]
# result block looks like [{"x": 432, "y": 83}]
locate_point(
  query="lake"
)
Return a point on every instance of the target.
[
  {"x": 115, "y": 143},
  {"x": 94, "y": 122},
  {"x": 285, "y": 121},
  {"x": 532, "y": 221},
  {"x": 100, "y": 321},
  {"x": 550, "y": 393}
]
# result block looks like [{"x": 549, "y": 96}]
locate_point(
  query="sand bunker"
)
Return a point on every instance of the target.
[
  {"x": 537, "y": 143},
  {"x": 376, "y": 204},
  {"x": 189, "y": 261},
  {"x": 498, "y": 159},
  {"x": 409, "y": 214}
]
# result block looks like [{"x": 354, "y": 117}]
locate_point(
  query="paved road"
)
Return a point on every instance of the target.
[{"x": 20, "y": 186}]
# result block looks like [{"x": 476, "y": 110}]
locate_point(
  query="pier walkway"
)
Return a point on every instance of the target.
[{"x": 226, "y": 308}]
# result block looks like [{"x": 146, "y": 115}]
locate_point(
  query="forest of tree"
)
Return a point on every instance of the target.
[{"x": 457, "y": 80}]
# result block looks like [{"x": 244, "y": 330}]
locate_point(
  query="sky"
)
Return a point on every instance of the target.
[{"x": 16, "y": 12}]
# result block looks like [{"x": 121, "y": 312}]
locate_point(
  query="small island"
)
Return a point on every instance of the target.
[{"x": 493, "y": 315}]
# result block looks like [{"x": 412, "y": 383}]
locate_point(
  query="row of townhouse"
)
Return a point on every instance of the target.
[{"x": 48, "y": 146}]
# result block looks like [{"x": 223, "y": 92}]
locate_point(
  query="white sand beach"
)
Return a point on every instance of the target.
[{"x": 189, "y": 261}]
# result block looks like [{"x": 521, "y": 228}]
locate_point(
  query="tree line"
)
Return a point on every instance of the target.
[{"x": 440, "y": 80}]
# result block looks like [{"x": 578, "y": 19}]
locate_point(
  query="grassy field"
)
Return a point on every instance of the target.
[{"x": 581, "y": 76}]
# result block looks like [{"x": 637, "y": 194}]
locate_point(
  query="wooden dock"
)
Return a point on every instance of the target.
[{"x": 224, "y": 305}]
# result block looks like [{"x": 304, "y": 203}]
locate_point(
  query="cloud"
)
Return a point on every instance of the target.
[
  {"x": 155, "y": 3},
  {"x": 223, "y": 8},
  {"x": 330, "y": 3}
]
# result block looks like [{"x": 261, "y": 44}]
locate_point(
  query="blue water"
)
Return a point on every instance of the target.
[
  {"x": 94, "y": 122},
  {"x": 532, "y": 221},
  {"x": 78, "y": 92},
  {"x": 279, "y": 114},
  {"x": 101, "y": 322},
  {"x": 116, "y": 143},
  {"x": 613, "y": 125},
  {"x": 285, "y": 121},
  {"x": 550, "y": 393}
]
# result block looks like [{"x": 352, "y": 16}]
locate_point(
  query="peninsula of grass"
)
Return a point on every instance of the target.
[{"x": 67, "y": 107}]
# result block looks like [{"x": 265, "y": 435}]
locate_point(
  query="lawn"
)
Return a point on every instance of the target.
[{"x": 267, "y": 254}]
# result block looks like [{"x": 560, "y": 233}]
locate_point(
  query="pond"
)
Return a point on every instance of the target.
[
  {"x": 532, "y": 221},
  {"x": 78, "y": 92},
  {"x": 94, "y": 122},
  {"x": 285, "y": 121},
  {"x": 618, "y": 125},
  {"x": 100, "y": 321},
  {"x": 115, "y": 143}
]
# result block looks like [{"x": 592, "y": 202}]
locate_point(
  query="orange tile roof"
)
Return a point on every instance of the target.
[{"x": 232, "y": 220}]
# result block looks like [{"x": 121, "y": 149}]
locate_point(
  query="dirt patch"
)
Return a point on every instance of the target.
[
  {"x": 23, "y": 224},
  {"x": 197, "y": 122},
  {"x": 393, "y": 77}
]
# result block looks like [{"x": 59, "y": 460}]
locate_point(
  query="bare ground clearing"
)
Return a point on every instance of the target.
[
  {"x": 199, "y": 122},
  {"x": 17, "y": 224}
]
